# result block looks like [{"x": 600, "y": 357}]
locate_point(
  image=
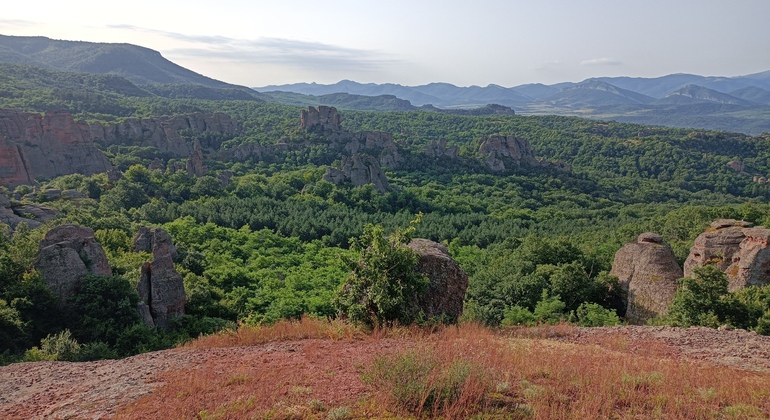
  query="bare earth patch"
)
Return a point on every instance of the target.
[{"x": 300, "y": 371}]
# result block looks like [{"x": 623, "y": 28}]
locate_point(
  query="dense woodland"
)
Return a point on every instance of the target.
[{"x": 536, "y": 242}]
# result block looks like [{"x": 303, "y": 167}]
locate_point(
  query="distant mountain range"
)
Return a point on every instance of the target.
[
  {"x": 751, "y": 90},
  {"x": 681, "y": 100},
  {"x": 739, "y": 104}
]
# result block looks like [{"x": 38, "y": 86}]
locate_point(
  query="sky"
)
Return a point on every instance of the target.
[{"x": 481, "y": 42}]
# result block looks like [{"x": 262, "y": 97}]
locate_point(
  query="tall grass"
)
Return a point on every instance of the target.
[
  {"x": 454, "y": 372},
  {"x": 250, "y": 335}
]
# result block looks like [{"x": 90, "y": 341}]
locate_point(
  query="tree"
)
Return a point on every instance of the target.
[
  {"x": 383, "y": 286},
  {"x": 699, "y": 300}
]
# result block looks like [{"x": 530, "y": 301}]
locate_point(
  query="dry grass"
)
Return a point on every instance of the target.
[
  {"x": 313, "y": 369},
  {"x": 251, "y": 335}
]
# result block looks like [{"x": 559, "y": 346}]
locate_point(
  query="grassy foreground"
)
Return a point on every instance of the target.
[{"x": 316, "y": 369}]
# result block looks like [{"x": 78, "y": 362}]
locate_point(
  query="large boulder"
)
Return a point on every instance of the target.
[
  {"x": 736, "y": 248},
  {"x": 65, "y": 255},
  {"x": 161, "y": 287},
  {"x": 647, "y": 270},
  {"x": 448, "y": 282},
  {"x": 751, "y": 264},
  {"x": 717, "y": 245}
]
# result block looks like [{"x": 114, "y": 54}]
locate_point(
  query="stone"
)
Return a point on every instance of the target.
[
  {"x": 166, "y": 133},
  {"x": 497, "y": 150},
  {"x": 160, "y": 287},
  {"x": 717, "y": 245},
  {"x": 439, "y": 149},
  {"x": 448, "y": 282},
  {"x": 323, "y": 118},
  {"x": 751, "y": 264},
  {"x": 47, "y": 146},
  {"x": 195, "y": 166},
  {"x": 65, "y": 255},
  {"x": 362, "y": 169},
  {"x": 647, "y": 270}
]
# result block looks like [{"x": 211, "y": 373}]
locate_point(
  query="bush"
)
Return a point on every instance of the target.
[
  {"x": 98, "y": 350},
  {"x": 59, "y": 346},
  {"x": 103, "y": 308},
  {"x": 383, "y": 286},
  {"x": 703, "y": 300},
  {"x": 594, "y": 315},
  {"x": 516, "y": 315},
  {"x": 550, "y": 309}
]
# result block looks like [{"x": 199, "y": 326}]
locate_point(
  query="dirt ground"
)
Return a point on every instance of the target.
[{"x": 53, "y": 390}]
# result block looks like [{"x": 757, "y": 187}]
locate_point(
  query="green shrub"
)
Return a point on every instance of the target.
[
  {"x": 516, "y": 315},
  {"x": 97, "y": 350},
  {"x": 550, "y": 309},
  {"x": 595, "y": 315},
  {"x": 383, "y": 286}
]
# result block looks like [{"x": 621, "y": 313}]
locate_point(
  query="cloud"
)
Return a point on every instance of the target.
[
  {"x": 601, "y": 62},
  {"x": 16, "y": 23},
  {"x": 296, "y": 53}
]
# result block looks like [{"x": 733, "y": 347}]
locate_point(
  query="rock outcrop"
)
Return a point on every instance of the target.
[
  {"x": 14, "y": 213},
  {"x": 497, "y": 150},
  {"x": 359, "y": 169},
  {"x": 167, "y": 134},
  {"x": 751, "y": 264},
  {"x": 736, "y": 248},
  {"x": 323, "y": 118},
  {"x": 47, "y": 146},
  {"x": 65, "y": 255},
  {"x": 717, "y": 245},
  {"x": 448, "y": 282},
  {"x": 194, "y": 164},
  {"x": 161, "y": 287},
  {"x": 648, "y": 272},
  {"x": 439, "y": 149}
]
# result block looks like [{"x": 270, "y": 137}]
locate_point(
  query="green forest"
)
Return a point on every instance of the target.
[{"x": 275, "y": 240}]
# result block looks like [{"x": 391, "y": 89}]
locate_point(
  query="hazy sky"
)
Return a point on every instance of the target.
[{"x": 257, "y": 43}]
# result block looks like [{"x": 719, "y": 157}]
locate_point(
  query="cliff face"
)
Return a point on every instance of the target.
[
  {"x": 47, "y": 146},
  {"x": 165, "y": 133},
  {"x": 52, "y": 145},
  {"x": 499, "y": 149}
]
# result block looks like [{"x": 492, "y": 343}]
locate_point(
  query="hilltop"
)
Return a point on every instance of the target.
[{"x": 640, "y": 370}]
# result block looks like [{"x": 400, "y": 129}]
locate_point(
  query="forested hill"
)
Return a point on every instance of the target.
[
  {"x": 137, "y": 64},
  {"x": 260, "y": 225}
]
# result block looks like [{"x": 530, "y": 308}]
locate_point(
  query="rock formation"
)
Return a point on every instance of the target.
[
  {"x": 323, "y": 118},
  {"x": 648, "y": 272},
  {"x": 166, "y": 133},
  {"x": 717, "y": 245},
  {"x": 751, "y": 264},
  {"x": 439, "y": 149},
  {"x": 65, "y": 255},
  {"x": 359, "y": 169},
  {"x": 13, "y": 213},
  {"x": 448, "y": 282},
  {"x": 496, "y": 150},
  {"x": 736, "y": 248},
  {"x": 161, "y": 287},
  {"x": 194, "y": 164},
  {"x": 46, "y": 146}
]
